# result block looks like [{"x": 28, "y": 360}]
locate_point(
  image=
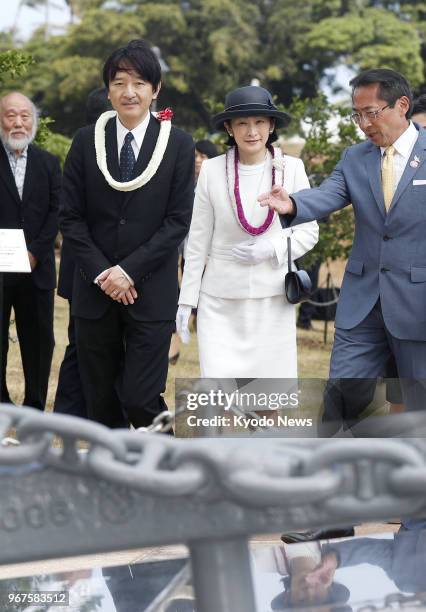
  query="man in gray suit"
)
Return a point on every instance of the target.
[{"x": 382, "y": 305}]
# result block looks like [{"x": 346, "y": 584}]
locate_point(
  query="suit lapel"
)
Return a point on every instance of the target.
[
  {"x": 373, "y": 163},
  {"x": 418, "y": 152},
  {"x": 7, "y": 176},
  {"x": 145, "y": 153},
  {"x": 112, "y": 149}
]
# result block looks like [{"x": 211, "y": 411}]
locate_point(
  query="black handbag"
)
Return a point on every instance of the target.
[{"x": 297, "y": 285}]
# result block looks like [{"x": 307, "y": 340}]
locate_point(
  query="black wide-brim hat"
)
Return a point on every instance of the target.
[{"x": 248, "y": 102}]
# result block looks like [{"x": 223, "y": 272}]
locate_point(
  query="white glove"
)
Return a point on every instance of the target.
[
  {"x": 182, "y": 321},
  {"x": 253, "y": 253}
]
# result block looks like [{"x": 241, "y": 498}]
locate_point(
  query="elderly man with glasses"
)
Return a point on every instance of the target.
[{"x": 382, "y": 306}]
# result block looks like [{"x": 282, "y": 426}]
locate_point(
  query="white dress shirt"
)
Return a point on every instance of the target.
[
  {"x": 403, "y": 148},
  {"x": 138, "y": 135},
  {"x": 18, "y": 166}
]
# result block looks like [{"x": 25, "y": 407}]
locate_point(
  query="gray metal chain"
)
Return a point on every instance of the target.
[
  {"x": 162, "y": 423},
  {"x": 357, "y": 478},
  {"x": 395, "y": 601},
  {"x": 324, "y": 304}
]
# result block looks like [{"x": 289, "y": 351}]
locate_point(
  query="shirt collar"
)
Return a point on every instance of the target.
[
  {"x": 11, "y": 154},
  {"x": 405, "y": 143},
  {"x": 138, "y": 132}
]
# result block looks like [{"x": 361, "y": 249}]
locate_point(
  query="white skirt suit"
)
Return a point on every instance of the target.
[{"x": 245, "y": 326}]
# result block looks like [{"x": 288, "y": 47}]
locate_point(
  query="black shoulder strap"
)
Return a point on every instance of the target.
[{"x": 289, "y": 253}]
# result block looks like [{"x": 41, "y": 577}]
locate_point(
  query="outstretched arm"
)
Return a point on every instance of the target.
[{"x": 310, "y": 204}]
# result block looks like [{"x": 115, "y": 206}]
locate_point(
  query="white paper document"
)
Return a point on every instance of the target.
[{"x": 13, "y": 251}]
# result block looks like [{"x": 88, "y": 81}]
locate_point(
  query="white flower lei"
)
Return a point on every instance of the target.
[{"x": 154, "y": 162}]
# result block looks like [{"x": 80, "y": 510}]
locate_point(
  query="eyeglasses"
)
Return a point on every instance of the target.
[{"x": 370, "y": 115}]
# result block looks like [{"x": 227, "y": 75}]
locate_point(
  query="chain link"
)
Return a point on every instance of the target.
[
  {"x": 395, "y": 601},
  {"x": 162, "y": 423},
  {"x": 325, "y": 304},
  {"x": 371, "y": 478},
  {"x": 151, "y": 466}
]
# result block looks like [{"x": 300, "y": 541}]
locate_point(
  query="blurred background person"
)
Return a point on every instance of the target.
[
  {"x": 307, "y": 310},
  {"x": 69, "y": 397},
  {"x": 419, "y": 110},
  {"x": 204, "y": 149}
]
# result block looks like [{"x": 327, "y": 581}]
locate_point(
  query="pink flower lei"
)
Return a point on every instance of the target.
[{"x": 250, "y": 229}]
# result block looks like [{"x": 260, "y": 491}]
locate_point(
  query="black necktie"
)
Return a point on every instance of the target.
[{"x": 127, "y": 158}]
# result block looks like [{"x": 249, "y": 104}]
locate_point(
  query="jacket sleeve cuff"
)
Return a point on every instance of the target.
[
  {"x": 279, "y": 246},
  {"x": 32, "y": 248},
  {"x": 129, "y": 278},
  {"x": 287, "y": 220}
]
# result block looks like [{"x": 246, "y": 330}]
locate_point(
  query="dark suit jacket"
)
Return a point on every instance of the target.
[
  {"x": 36, "y": 214},
  {"x": 139, "y": 230},
  {"x": 66, "y": 272}
]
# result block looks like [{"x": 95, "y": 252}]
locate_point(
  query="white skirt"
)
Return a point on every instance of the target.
[{"x": 250, "y": 338}]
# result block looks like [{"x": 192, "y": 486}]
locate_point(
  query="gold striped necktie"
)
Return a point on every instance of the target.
[{"x": 388, "y": 181}]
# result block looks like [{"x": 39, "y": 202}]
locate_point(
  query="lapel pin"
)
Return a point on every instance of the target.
[{"x": 414, "y": 163}]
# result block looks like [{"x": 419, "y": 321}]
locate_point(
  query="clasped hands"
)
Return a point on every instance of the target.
[
  {"x": 278, "y": 199},
  {"x": 115, "y": 284}
]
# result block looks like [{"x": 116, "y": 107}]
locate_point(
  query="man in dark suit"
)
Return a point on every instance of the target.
[
  {"x": 30, "y": 181},
  {"x": 126, "y": 206},
  {"x": 69, "y": 398}
]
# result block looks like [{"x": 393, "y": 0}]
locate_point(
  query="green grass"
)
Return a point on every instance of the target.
[
  {"x": 313, "y": 354},
  {"x": 313, "y": 357}
]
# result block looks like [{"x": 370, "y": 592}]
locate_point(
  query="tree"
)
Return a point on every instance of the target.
[
  {"x": 14, "y": 64},
  {"x": 77, "y": 8},
  {"x": 367, "y": 40},
  {"x": 321, "y": 153},
  {"x": 212, "y": 46}
]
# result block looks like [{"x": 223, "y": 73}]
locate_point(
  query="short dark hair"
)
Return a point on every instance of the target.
[
  {"x": 137, "y": 55},
  {"x": 206, "y": 147},
  {"x": 419, "y": 104},
  {"x": 392, "y": 85},
  {"x": 97, "y": 103}
]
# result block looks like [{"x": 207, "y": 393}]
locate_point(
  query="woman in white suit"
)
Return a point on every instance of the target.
[{"x": 236, "y": 256}]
